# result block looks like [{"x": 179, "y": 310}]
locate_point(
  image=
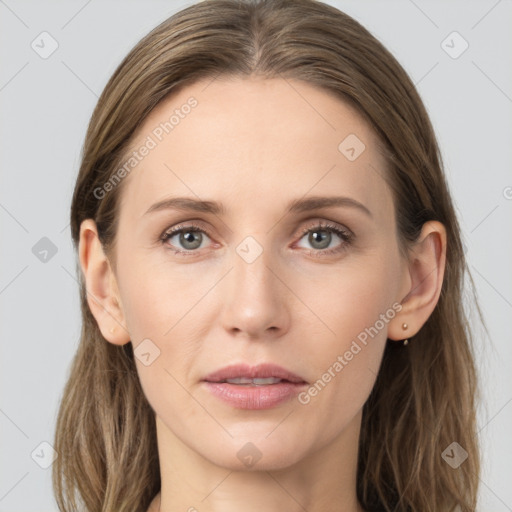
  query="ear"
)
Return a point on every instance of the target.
[
  {"x": 101, "y": 286},
  {"x": 426, "y": 267}
]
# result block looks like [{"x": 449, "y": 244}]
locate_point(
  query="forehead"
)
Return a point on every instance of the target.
[{"x": 235, "y": 139}]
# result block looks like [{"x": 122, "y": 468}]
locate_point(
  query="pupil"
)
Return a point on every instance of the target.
[{"x": 320, "y": 237}]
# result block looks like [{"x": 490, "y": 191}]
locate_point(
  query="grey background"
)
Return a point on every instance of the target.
[{"x": 45, "y": 106}]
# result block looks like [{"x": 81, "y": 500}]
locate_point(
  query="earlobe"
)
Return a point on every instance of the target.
[
  {"x": 426, "y": 272},
  {"x": 99, "y": 278}
]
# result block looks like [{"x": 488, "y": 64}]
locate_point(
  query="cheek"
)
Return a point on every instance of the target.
[
  {"x": 353, "y": 296},
  {"x": 167, "y": 311},
  {"x": 159, "y": 296},
  {"x": 356, "y": 304},
  {"x": 163, "y": 311}
]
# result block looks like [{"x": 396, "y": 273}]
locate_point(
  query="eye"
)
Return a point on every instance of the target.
[
  {"x": 188, "y": 239},
  {"x": 325, "y": 238}
]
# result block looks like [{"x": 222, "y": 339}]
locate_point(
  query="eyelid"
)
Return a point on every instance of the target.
[
  {"x": 184, "y": 226},
  {"x": 190, "y": 225},
  {"x": 326, "y": 224}
]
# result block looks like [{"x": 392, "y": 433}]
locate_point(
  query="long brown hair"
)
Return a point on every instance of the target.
[{"x": 424, "y": 396}]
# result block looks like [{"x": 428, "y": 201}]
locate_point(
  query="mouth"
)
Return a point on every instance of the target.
[
  {"x": 260, "y": 375},
  {"x": 254, "y": 387},
  {"x": 245, "y": 381}
]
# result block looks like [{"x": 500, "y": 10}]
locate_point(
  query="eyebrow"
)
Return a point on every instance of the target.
[{"x": 296, "y": 206}]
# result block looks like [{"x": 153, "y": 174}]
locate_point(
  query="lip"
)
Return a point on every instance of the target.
[
  {"x": 254, "y": 397},
  {"x": 253, "y": 372}
]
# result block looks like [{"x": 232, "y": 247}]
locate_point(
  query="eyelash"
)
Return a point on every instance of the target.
[{"x": 344, "y": 234}]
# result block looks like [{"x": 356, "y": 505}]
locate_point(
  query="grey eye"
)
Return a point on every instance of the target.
[
  {"x": 320, "y": 239},
  {"x": 190, "y": 240}
]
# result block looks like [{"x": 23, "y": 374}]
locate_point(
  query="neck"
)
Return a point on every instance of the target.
[{"x": 323, "y": 481}]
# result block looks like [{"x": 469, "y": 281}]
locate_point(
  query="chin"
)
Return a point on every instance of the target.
[{"x": 259, "y": 452}]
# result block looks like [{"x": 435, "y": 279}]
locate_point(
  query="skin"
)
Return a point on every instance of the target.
[{"x": 254, "y": 145}]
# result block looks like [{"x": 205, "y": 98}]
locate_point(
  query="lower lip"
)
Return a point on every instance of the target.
[{"x": 255, "y": 397}]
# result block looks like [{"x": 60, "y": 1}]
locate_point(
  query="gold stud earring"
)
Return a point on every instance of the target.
[
  {"x": 112, "y": 329},
  {"x": 405, "y": 327}
]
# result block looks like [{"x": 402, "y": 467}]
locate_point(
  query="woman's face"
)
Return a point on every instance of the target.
[{"x": 261, "y": 274}]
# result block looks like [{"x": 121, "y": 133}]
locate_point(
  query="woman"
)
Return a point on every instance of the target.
[{"x": 271, "y": 279}]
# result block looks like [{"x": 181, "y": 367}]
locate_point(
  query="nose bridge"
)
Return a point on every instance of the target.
[
  {"x": 252, "y": 263},
  {"x": 255, "y": 300}
]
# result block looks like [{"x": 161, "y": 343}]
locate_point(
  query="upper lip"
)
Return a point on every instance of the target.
[{"x": 253, "y": 372}]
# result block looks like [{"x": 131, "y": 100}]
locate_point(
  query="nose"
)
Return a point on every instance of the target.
[{"x": 257, "y": 300}]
